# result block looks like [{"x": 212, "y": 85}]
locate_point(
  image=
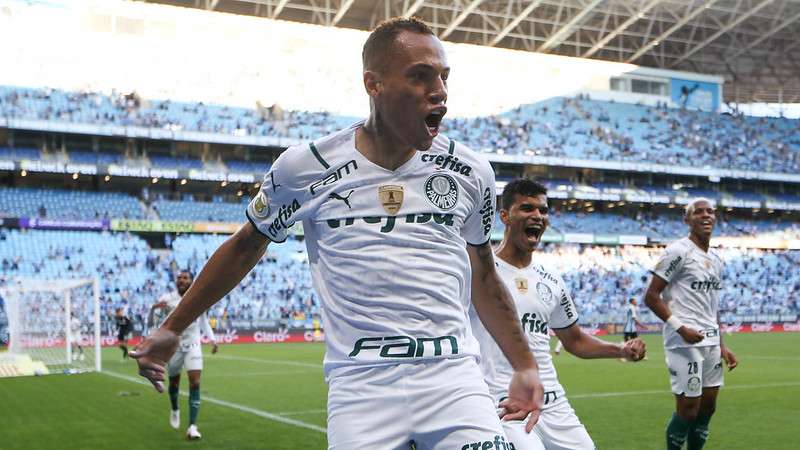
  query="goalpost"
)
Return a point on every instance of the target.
[{"x": 53, "y": 327}]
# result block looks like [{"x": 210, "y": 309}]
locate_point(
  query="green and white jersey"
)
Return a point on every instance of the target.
[
  {"x": 542, "y": 303},
  {"x": 694, "y": 280},
  {"x": 192, "y": 335},
  {"x": 387, "y": 249}
]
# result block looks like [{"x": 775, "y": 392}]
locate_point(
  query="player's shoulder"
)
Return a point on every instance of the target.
[
  {"x": 681, "y": 246},
  {"x": 306, "y": 161},
  {"x": 548, "y": 273},
  {"x": 457, "y": 157}
]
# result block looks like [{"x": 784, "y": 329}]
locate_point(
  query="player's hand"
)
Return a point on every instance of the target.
[
  {"x": 690, "y": 335},
  {"x": 214, "y": 349},
  {"x": 729, "y": 357},
  {"x": 152, "y": 355},
  {"x": 525, "y": 398},
  {"x": 634, "y": 350}
]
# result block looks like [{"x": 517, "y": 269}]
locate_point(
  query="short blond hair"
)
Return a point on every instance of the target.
[{"x": 690, "y": 207}]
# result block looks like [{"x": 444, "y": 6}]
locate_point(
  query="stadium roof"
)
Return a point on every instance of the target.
[{"x": 754, "y": 44}]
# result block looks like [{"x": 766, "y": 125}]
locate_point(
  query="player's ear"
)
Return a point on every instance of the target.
[
  {"x": 504, "y": 217},
  {"x": 372, "y": 83}
]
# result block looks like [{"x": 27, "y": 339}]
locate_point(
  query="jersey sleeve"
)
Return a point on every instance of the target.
[
  {"x": 478, "y": 224},
  {"x": 670, "y": 264},
  {"x": 283, "y": 197},
  {"x": 564, "y": 313},
  {"x": 205, "y": 328}
]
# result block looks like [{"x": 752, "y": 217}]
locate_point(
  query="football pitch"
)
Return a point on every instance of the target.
[{"x": 272, "y": 396}]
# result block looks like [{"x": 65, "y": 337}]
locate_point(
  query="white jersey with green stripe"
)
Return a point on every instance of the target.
[
  {"x": 192, "y": 335},
  {"x": 543, "y": 303},
  {"x": 694, "y": 280},
  {"x": 387, "y": 249}
]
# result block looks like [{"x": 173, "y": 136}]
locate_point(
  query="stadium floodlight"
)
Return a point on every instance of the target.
[{"x": 54, "y": 327}]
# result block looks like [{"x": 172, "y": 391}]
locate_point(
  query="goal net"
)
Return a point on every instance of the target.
[{"x": 53, "y": 327}]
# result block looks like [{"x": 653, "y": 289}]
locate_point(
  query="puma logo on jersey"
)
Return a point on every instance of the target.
[
  {"x": 275, "y": 186},
  {"x": 345, "y": 199}
]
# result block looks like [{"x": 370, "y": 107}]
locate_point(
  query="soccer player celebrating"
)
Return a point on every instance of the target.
[
  {"x": 543, "y": 303},
  {"x": 124, "y": 330},
  {"x": 189, "y": 354},
  {"x": 397, "y": 220},
  {"x": 684, "y": 293}
]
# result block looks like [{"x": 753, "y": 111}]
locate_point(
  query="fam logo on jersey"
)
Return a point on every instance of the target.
[
  {"x": 346, "y": 169},
  {"x": 521, "y": 284},
  {"x": 261, "y": 205},
  {"x": 693, "y": 384},
  {"x": 442, "y": 191},
  {"x": 544, "y": 291},
  {"x": 391, "y": 198},
  {"x": 405, "y": 346}
]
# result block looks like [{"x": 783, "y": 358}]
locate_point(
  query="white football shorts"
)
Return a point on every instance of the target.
[
  {"x": 190, "y": 358},
  {"x": 558, "y": 428},
  {"x": 435, "y": 405},
  {"x": 693, "y": 368}
]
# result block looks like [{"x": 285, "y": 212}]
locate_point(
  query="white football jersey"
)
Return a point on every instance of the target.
[
  {"x": 542, "y": 303},
  {"x": 387, "y": 249},
  {"x": 192, "y": 335},
  {"x": 694, "y": 281}
]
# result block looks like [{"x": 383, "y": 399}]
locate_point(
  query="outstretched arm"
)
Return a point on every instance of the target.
[
  {"x": 205, "y": 328},
  {"x": 727, "y": 354},
  {"x": 585, "y": 346},
  {"x": 496, "y": 310},
  {"x": 223, "y": 271}
]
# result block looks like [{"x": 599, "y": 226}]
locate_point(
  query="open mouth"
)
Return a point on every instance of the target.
[
  {"x": 434, "y": 119},
  {"x": 533, "y": 231}
]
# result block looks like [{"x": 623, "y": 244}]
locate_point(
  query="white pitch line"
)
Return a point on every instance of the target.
[
  {"x": 236, "y": 406},
  {"x": 665, "y": 391},
  {"x": 300, "y": 413},
  {"x": 269, "y": 361}
]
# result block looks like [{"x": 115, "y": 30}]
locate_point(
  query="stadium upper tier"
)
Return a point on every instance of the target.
[
  {"x": 578, "y": 128},
  {"x": 63, "y": 204},
  {"x": 86, "y": 205},
  {"x": 600, "y": 278}
]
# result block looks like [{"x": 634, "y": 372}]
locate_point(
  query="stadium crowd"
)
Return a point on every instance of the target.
[
  {"x": 563, "y": 127},
  {"x": 279, "y": 293}
]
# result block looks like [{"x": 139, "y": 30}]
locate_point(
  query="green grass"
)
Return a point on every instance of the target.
[{"x": 758, "y": 408}]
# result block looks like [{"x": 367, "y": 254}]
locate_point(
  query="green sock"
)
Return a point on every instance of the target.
[
  {"x": 698, "y": 432},
  {"x": 173, "y": 397},
  {"x": 676, "y": 432},
  {"x": 194, "y": 405}
]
